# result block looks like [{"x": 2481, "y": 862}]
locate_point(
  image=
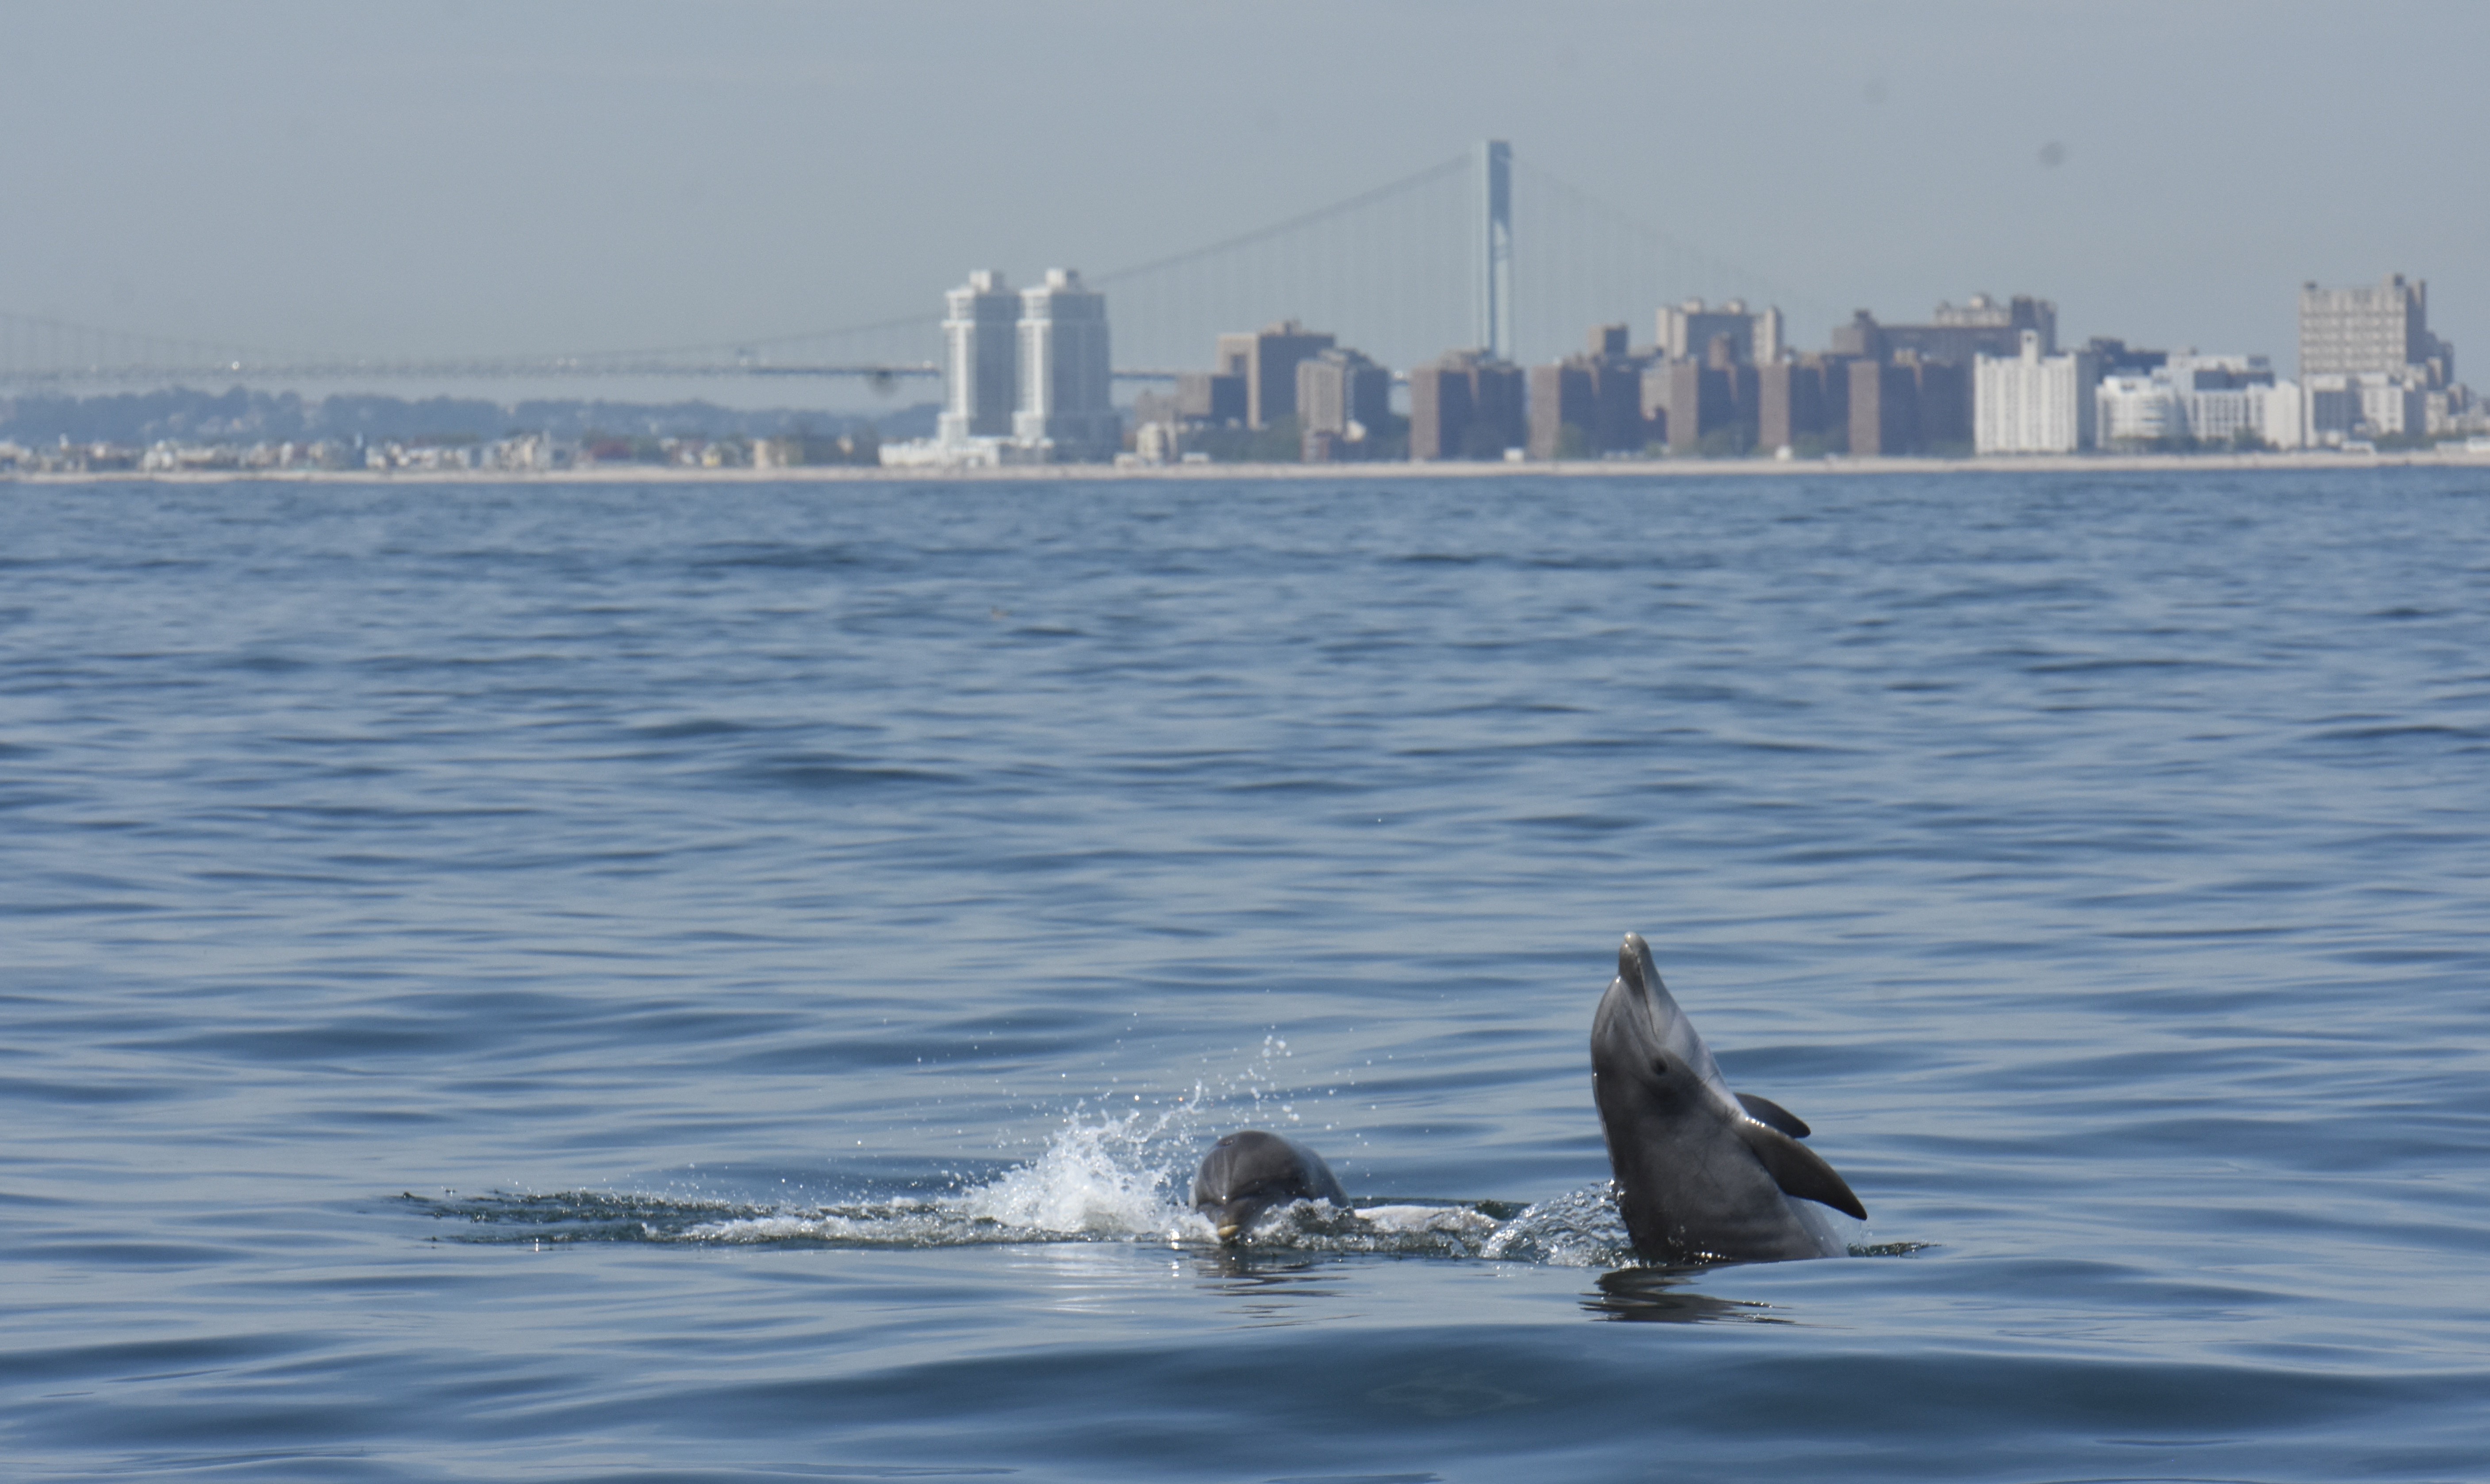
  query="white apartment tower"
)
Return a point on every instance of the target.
[
  {"x": 2033, "y": 403},
  {"x": 981, "y": 351},
  {"x": 1065, "y": 406}
]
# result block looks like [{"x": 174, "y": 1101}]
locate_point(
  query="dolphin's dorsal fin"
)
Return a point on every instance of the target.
[
  {"x": 1771, "y": 1115},
  {"x": 1799, "y": 1171}
]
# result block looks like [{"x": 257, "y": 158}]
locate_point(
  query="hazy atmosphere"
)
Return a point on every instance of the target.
[
  {"x": 1118, "y": 744},
  {"x": 438, "y": 179}
]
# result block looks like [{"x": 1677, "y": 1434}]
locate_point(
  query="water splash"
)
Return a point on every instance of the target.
[{"x": 1125, "y": 1178}]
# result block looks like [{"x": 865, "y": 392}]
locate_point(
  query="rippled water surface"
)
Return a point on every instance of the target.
[{"x": 705, "y": 983}]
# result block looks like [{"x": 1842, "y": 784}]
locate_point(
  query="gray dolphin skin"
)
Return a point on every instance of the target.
[
  {"x": 1248, "y": 1173},
  {"x": 1703, "y": 1175}
]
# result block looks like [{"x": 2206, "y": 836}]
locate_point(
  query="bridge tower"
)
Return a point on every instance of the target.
[{"x": 1494, "y": 248}]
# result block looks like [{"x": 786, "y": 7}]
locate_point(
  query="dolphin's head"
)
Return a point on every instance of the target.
[
  {"x": 1249, "y": 1172},
  {"x": 1641, "y": 1036}
]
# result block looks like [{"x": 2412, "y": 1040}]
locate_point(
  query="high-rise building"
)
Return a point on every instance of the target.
[
  {"x": 1465, "y": 405},
  {"x": 1343, "y": 394},
  {"x": 2369, "y": 361},
  {"x": 1686, "y": 331},
  {"x": 981, "y": 359},
  {"x": 1599, "y": 398},
  {"x": 2033, "y": 403},
  {"x": 1884, "y": 408},
  {"x": 1803, "y": 397},
  {"x": 2013, "y": 318},
  {"x": 1561, "y": 397},
  {"x": 1690, "y": 398},
  {"x": 2381, "y": 328},
  {"x": 1909, "y": 405},
  {"x": 1956, "y": 332},
  {"x": 1064, "y": 372},
  {"x": 1267, "y": 359},
  {"x": 1214, "y": 397},
  {"x": 1598, "y": 394}
]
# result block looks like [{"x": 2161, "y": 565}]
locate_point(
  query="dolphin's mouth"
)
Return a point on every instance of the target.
[{"x": 1230, "y": 1218}]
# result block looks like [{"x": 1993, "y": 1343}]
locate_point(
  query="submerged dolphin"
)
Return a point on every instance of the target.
[
  {"x": 1703, "y": 1174},
  {"x": 1246, "y": 1173}
]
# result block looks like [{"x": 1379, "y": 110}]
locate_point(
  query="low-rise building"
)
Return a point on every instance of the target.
[{"x": 2204, "y": 400}]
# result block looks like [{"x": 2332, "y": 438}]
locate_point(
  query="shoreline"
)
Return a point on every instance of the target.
[{"x": 1594, "y": 469}]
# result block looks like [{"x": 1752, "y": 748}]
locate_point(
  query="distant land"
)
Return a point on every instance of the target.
[
  {"x": 182, "y": 415},
  {"x": 2448, "y": 455}
]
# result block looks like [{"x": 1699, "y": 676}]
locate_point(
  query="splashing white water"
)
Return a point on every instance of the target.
[
  {"x": 1097, "y": 1180},
  {"x": 1119, "y": 1177}
]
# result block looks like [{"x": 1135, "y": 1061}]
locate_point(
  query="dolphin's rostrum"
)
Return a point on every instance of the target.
[
  {"x": 1703, "y": 1174},
  {"x": 1249, "y": 1172}
]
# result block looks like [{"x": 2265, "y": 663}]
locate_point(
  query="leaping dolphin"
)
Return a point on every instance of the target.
[
  {"x": 1703, "y": 1174},
  {"x": 1247, "y": 1173}
]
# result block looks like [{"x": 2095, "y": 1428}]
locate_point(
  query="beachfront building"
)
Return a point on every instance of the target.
[
  {"x": 981, "y": 359},
  {"x": 1065, "y": 413},
  {"x": 1466, "y": 405},
  {"x": 2210, "y": 400},
  {"x": 2031, "y": 403},
  {"x": 2369, "y": 361},
  {"x": 1026, "y": 378}
]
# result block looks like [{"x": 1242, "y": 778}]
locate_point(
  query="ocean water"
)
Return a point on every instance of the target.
[{"x": 730, "y": 982}]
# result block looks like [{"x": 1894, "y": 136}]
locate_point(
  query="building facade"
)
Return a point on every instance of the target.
[
  {"x": 1803, "y": 400},
  {"x": 981, "y": 359},
  {"x": 1685, "y": 332},
  {"x": 2369, "y": 361},
  {"x": 1465, "y": 405},
  {"x": 2207, "y": 400},
  {"x": 1343, "y": 394},
  {"x": 1715, "y": 397},
  {"x": 1954, "y": 333},
  {"x": 1215, "y": 398},
  {"x": 2381, "y": 328},
  {"x": 1267, "y": 360},
  {"x": 2033, "y": 403},
  {"x": 1597, "y": 394},
  {"x": 1065, "y": 374}
]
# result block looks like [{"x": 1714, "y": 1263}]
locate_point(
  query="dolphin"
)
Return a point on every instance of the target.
[
  {"x": 1248, "y": 1173},
  {"x": 1703, "y": 1174}
]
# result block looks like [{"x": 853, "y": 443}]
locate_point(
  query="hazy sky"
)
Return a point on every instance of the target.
[{"x": 432, "y": 177}]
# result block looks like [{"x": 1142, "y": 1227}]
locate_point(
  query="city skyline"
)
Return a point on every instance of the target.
[{"x": 415, "y": 181}]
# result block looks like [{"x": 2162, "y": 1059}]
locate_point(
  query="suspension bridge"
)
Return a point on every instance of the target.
[{"x": 1483, "y": 251}]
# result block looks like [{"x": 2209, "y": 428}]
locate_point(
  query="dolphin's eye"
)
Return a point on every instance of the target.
[{"x": 1660, "y": 1066}]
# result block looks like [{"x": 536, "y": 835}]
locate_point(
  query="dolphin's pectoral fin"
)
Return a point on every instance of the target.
[
  {"x": 1799, "y": 1171},
  {"x": 1771, "y": 1115}
]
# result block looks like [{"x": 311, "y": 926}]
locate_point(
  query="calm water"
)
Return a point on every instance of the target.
[{"x": 729, "y": 984}]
